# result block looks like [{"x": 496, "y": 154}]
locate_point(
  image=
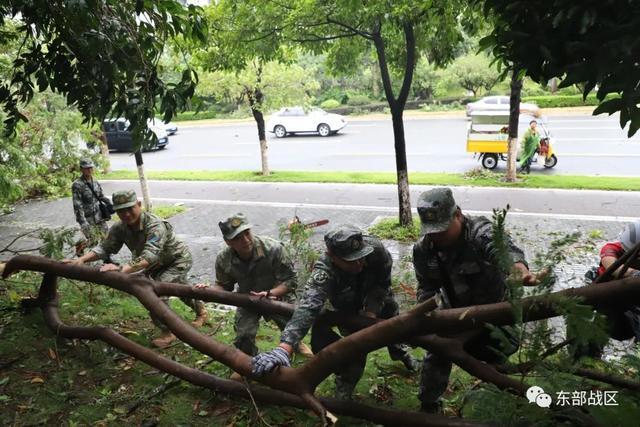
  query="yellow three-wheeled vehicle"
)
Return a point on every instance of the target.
[{"x": 487, "y": 136}]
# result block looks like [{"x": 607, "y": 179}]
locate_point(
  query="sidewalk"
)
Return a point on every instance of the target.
[{"x": 270, "y": 206}]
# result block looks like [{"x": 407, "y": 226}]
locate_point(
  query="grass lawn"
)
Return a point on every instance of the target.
[
  {"x": 49, "y": 381},
  {"x": 476, "y": 178}
]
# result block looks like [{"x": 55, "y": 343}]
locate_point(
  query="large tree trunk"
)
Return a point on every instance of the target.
[
  {"x": 514, "y": 116},
  {"x": 264, "y": 158},
  {"x": 256, "y": 97},
  {"x": 396, "y": 106},
  {"x": 404, "y": 199},
  {"x": 143, "y": 181}
]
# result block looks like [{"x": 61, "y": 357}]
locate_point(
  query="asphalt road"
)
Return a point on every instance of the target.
[{"x": 585, "y": 145}]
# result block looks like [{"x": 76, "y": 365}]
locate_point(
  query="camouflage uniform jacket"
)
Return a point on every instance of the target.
[
  {"x": 85, "y": 204},
  {"x": 472, "y": 270},
  {"x": 346, "y": 292},
  {"x": 154, "y": 241},
  {"x": 268, "y": 267}
]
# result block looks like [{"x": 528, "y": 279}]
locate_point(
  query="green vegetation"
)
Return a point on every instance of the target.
[
  {"x": 485, "y": 179},
  {"x": 536, "y": 38},
  {"x": 329, "y": 103},
  {"x": 390, "y": 229},
  {"x": 557, "y": 101},
  {"x": 195, "y": 115},
  {"x": 167, "y": 211},
  {"x": 46, "y": 165}
]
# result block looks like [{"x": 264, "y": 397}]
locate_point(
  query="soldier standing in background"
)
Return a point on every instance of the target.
[{"x": 87, "y": 196}]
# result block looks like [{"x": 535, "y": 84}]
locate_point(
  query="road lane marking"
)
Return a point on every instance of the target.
[
  {"x": 273, "y": 143},
  {"x": 213, "y": 155},
  {"x": 556, "y": 128},
  {"x": 575, "y": 217},
  {"x": 598, "y": 155},
  {"x": 374, "y": 154},
  {"x": 597, "y": 139}
]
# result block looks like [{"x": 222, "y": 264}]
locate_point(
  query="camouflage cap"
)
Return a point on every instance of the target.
[
  {"x": 86, "y": 163},
  {"x": 436, "y": 209},
  {"x": 234, "y": 225},
  {"x": 345, "y": 241},
  {"x": 124, "y": 199}
]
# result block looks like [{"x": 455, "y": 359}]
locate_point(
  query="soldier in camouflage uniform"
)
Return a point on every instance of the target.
[
  {"x": 155, "y": 250},
  {"x": 456, "y": 259},
  {"x": 259, "y": 266},
  {"x": 86, "y": 205},
  {"x": 354, "y": 276}
]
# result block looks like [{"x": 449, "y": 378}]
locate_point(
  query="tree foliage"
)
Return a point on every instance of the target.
[
  {"x": 42, "y": 157},
  {"x": 592, "y": 43},
  {"x": 101, "y": 55},
  {"x": 346, "y": 31},
  {"x": 474, "y": 73}
]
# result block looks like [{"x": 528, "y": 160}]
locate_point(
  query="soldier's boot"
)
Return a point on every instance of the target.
[
  {"x": 411, "y": 363},
  {"x": 344, "y": 390},
  {"x": 164, "y": 340},
  {"x": 201, "y": 317},
  {"x": 304, "y": 350},
  {"x": 432, "y": 407}
]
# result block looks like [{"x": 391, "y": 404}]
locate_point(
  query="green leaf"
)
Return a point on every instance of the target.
[{"x": 609, "y": 106}]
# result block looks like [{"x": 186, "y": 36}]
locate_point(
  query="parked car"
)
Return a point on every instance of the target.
[
  {"x": 119, "y": 137},
  {"x": 499, "y": 103},
  {"x": 292, "y": 120},
  {"x": 170, "y": 127}
]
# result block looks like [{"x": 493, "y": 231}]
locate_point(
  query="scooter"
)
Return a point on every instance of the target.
[{"x": 546, "y": 150}]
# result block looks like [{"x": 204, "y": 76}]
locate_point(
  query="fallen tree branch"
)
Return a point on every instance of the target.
[
  {"x": 608, "y": 378},
  {"x": 47, "y": 301},
  {"x": 301, "y": 382}
]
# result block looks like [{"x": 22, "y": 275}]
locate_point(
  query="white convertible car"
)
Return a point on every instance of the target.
[{"x": 292, "y": 120}]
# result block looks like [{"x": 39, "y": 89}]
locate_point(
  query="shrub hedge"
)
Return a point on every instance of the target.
[
  {"x": 555, "y": 101},
  {"x": 329, "y": 103}
]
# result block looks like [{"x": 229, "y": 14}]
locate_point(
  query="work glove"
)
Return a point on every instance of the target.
[{"x": 267, "y": 362}]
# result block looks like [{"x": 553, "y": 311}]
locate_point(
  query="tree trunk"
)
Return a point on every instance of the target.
[
  {"x": 396, "y": 106},
  {"x": 553, "y": 85},
  {"x": 264, "y": 159},
  {"x": 514, "y": 116},
  {"x": 256, "y": 97},
  {"x": 104, "y": 151},
  {"x": 375, "y": 81},
  {"x": 404, "y": 199},
  {"x": 143, "y": 181}
]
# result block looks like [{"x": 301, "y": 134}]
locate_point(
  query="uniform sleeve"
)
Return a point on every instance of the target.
[
  {"x": 483, "y": 235},
  {"x": 223, "y": 276},
  {"x": 381, "y": 281},
  {"x": 283, "y": 268},
  {"x": 426, "y": 287},
  {"x": 156, "y": 239},
  {"x": 611, "y": 249},
  {"x": 78, "y": 210},
  {"x": 111, "y": 244},
  {"x": 309, "y": 306}
]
